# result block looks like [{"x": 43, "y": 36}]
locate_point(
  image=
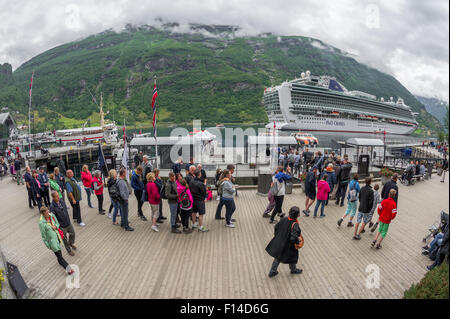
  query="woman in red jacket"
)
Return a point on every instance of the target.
[
  {"x": 97, "y": 184},
  {"x": 86, "y": 177},
  {"x": 387, "y": 211},
  {"x": 154, "y": 198}
]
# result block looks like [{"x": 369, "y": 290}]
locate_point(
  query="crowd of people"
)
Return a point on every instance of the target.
[{"x": 326, "y": 178}]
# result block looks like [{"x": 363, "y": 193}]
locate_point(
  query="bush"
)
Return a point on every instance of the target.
[
  {"x": 434, "y": 285},
  {"x": 1, "y": 281},
  {"x": 386, "y": 172}
]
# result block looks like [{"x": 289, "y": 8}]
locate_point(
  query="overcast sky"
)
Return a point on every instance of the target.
[{"x": 406, "y": 38}]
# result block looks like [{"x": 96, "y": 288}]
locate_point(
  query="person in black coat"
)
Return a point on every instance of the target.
[
  {"x": 59, "y": 209},
  {"x": 281, "y": 247},
  {"x": 443, "y": 251},
  {"x": 392, "y": 184},
  {"x": 36, "y": 189},
  {"x": 366, "y": 198},
  {"x": 310, "y": 189}
]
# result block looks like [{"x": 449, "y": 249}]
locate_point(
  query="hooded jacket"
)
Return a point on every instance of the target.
[{"x": 322, "y": 190}]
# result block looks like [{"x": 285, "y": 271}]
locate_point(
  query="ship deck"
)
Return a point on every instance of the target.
[{"x": 223, "y": 263}]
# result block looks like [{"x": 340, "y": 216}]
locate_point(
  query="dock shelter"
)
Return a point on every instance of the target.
[
  {"x": 260, "y": 148},
  {"x": 364, "y": 151}
]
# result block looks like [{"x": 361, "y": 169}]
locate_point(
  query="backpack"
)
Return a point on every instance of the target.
[
  {"x": 352, "y": 195},
  {"x": 162, "y": 192},
  {"x": 114, "y": 192},
  {"x": 185, "y": 201}
]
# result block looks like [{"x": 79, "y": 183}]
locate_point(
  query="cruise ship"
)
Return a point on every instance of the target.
[{"x": 321, "y": 103}]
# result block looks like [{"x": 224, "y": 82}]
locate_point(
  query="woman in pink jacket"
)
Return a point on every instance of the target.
[
  {"x": 154, "y": 199},
  {"x": 86, "y": 178},
  {"x": 185, "y": 201},
  {"x": 322, "y": 195}
]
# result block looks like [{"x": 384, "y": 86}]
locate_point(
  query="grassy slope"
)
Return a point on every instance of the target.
[{"x": 216, "y": 79}]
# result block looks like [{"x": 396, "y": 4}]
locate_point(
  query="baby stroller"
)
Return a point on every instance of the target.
[{"x": 436, "y": 227}]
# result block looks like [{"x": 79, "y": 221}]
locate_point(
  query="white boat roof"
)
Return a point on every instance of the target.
[
  {"x": 269, "y": 139},
  {"x": 165, "y": 140},
  {"x": 365, "y": 141},
  {"x": 79, "y": 129}
]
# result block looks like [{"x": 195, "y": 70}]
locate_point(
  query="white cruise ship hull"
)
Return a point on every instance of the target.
[{"x": 319, "y": 124}]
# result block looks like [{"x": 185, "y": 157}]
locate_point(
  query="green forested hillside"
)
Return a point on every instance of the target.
[{"x": 216, "y": 77}]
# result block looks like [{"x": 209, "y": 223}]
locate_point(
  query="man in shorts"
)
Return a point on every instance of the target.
[
  {"x": 199, "y": 194},
  {"x": 387, "y": 211},
  {"x": 365, "y": 207}
]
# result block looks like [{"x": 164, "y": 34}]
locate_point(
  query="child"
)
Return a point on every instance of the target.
[
  {"x": 376, "y": 202},
  {"x": 209, "y": 192},
  {"x": 352, "y": 199},
  {"x": 323, "y": 188},
  {"x": 387, "y": 211}
]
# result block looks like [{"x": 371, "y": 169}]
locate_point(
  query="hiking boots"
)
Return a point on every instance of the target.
[
  {"x": 350, "y": 224},
  {"x": 296, "y": 271}
]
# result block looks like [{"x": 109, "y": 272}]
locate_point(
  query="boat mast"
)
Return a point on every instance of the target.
[
  {"x": 102, "y": 115},
  {"x": 29, "y": 112}
]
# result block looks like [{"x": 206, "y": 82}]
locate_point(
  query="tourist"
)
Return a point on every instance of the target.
[
  {"x": 137, "y": 183},
  {"x": 59, "y": 178},
  {"x": 319, "y": 161},
  {"x": 217, "y": 182},
  {"x": 172, "y": 198},
  {"x": 387, "y": 211},
  {"x": 18, "y": 169},
  {"x": 147, "y": 167},
  {"x": 51, "y": 236},
  {"x": 36, "y": 191},
  {"x": 271, "y": 198},
  {"x": 283, "y": 245},
  {"x": 444, "y": 169},
  {"x": 331, "y": 179},
  {"x": 54, "y": 186},
  {"x": 74, "y": 196},
  {"x": 231, "y": 168},
  {"x": 114, "y": 195},
  {"x": 86, "y": 178},
  {"x": 392, "y": 184},
  {"x": 422, "y": 171},
  {"x": 352, "y": 201},
  {"x": 97, "y": 184},
  {"x": 188, "y": 167},
  {"x": 278, "y": 188},
  {"x": 297, "y": 160},
  {"x": 376, "y": 202},
  {"x": 198, "y": 191},
  {"x": 125, "y": 192},
  {"x": 59, "y": 209},
  {"x": 219, "y": 185},
  {"x": 323, "y": 189},
  {"x": 45, "y": 186},
  {"x": 366, "y": 200},
  {"x": 190, "y": 176},
  {"x": 227, "y": 198},
  {"x": 442, "y": 252},
  {"x": 185, "y": 201},
  {"x": 343, "y": 179},
  {"x": 176, "y": 168},
  {"x": 160, "y": 184},
  {"x": 31, "y": 199},
  {"x": 138, "y": 159},
  {"x": 307, "y": 158},
  {"x": 310, "y": 189},
  {"x": 61, "y": 165},
  {"x": 154, "y": 199},
  {"x": 202, "y": 173}
]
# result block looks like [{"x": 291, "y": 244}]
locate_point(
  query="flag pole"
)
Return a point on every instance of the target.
[
  {"x": 155, "y": 132},
  {"x": 29, "y": 113}
]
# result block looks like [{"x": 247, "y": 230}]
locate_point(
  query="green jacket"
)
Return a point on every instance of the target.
[
  {"x": 55, "y": 187},
  {"x": 50, "y": 237}
]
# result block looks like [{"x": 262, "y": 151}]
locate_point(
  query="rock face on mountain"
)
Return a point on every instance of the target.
[
  {"x": 203, "y": 72},
  {"x": 5, "y": 74},
  {"x": 436, "y": 107}
]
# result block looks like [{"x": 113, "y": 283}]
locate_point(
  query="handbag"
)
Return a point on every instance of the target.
[
  {"x": 300, "y": 238},
  {"x": 274, "y": 189}
]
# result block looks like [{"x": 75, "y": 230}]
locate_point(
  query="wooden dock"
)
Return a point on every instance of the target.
[{"x": 223, "y": 263}]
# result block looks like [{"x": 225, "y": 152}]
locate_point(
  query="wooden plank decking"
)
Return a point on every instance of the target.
[{"x": 224, "y": 263}]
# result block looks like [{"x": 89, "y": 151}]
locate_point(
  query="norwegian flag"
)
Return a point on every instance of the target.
[{"x": 155, "y": 95}]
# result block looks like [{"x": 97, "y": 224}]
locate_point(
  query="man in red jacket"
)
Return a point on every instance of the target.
[{"x": 387, "y": 211}]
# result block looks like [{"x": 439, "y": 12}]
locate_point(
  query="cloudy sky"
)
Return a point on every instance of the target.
[{"x": 406, "y": 38}]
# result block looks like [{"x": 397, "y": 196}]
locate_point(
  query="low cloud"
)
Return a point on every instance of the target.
[{"x": 402, "y": 38}]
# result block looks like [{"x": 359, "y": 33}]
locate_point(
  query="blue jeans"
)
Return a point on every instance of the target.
[
  {"x": 341, "y": 192},
  {"x": 230, "y": 206},
  {"x": 117, "y": 207},
  {"x": 173, "y": 213},
  {"x": 320, "y": 202},
  {"x": 88, "y": 193},
  {"x": 219, "y": 208},
  {"x": 124, "y": 214},
  {"x": 436, "y": 243}
]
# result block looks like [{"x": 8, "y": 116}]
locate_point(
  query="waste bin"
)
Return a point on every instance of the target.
[
  {"x": 264, "y": 181},
  {"x": 363, "y": 165},
  {"x": 288, "y": 188}
]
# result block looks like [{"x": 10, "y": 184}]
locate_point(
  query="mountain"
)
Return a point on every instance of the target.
[
  {"x": 203, "y": 71},
  {"x": 436, "y": 107}
]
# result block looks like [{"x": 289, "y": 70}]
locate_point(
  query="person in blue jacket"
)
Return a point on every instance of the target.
[
  {"x": 352, "y": 201},
  {"x": 137, "y": 183}
]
